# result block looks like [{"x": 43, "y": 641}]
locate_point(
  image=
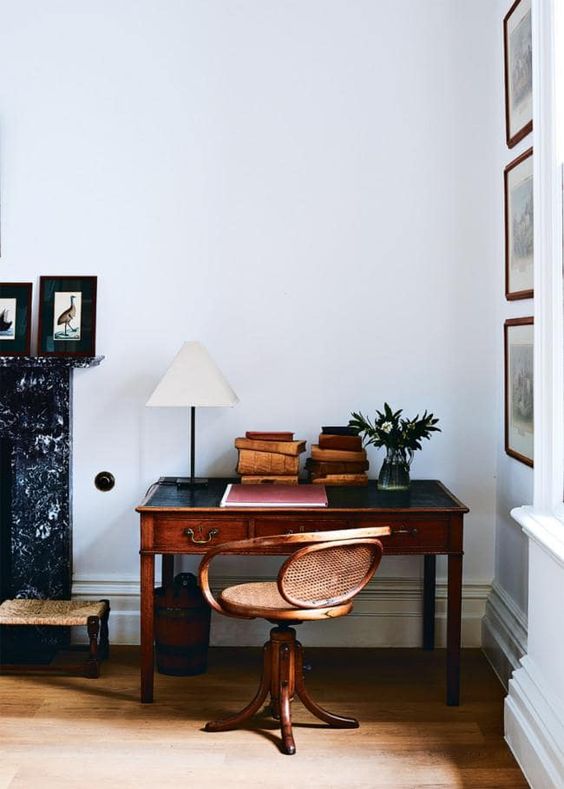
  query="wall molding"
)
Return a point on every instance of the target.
[
  {"x": 504, "y": 633},
  {"x": 534, "y": 727},
  {"x": 387, "y": 613}
]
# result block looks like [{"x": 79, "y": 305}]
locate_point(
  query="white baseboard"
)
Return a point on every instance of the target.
[
  {"x": 534, "y": 728},
  {"x": 387, "y": 613},
  {"x": 504, "y": 633}
]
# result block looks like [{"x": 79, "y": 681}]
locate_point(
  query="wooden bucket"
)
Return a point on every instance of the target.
[{"x": 182, "y": 627}]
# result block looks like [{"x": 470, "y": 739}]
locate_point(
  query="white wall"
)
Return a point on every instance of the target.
[
  {"x": 505, "y": 626},
  {"x": 309, "y": 188},
  {"x": 514, "y": 479}
]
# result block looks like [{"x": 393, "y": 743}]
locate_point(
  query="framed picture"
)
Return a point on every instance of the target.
[
  {"x": 518, "y": 46},
  {"x": 519, "y": 229},
  {"x": 519, "y": 389},
  {"x": 67, "y": 316},
  {"x": 15, "y": 318}
]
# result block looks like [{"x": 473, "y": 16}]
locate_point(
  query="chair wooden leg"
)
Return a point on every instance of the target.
[
  {"x": 337, "y": 721},
  {"x": 104, "y": 646},
  {"x": 251, "y": 709},
  {"x": 280, "y": 636},
  {"x": 288, "y": 744},
  {"x": 282, "y": 676},
  {"x": 92, "y": 668}
]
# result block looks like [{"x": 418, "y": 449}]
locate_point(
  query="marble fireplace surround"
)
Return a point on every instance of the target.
[{"x": 35, "y": 483}]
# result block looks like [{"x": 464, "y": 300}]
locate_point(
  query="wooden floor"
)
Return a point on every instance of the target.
[{"x": 72, "y": 732}]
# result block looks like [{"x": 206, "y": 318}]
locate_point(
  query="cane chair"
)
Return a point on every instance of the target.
[{"x": 317, "y": 582}]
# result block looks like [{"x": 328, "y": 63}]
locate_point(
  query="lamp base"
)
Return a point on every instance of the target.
[{"x": 186, "y": 482}]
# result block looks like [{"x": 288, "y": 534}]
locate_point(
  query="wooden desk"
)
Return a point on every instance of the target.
[{"x": 428, "y": 521}]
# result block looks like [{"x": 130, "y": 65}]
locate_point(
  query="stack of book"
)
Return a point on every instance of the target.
[
  {"x": 338, "y": 458},
  {"x": 269, "y": 457}
]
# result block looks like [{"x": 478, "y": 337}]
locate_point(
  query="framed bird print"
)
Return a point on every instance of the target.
[
  {"x": 15, "y": 318},
  {"x": 67, "y": 316},
  {"x": 518, "y": 47}
]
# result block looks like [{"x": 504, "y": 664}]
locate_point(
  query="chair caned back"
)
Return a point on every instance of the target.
[{"x": 329, "y": 573}]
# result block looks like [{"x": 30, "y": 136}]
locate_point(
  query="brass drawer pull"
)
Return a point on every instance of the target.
[
  {"x": 190, "y": 533},
  {"x": 412, "y": 532}
]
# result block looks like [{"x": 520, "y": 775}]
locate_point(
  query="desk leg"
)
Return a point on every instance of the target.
[
  {"x": 147, "y": 627},
  {"x": 168, "y": 569},
  {"x": 454, "y": 611},
  {"x": 429, "y": 578}
]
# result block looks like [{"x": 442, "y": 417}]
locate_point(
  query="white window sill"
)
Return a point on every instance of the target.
[{"x": 546, "y": 530}]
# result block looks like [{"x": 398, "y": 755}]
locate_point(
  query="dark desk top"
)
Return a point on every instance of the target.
[{"x": 424, "y": 495}]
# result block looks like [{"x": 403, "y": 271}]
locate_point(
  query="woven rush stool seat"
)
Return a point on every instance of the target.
[
  {"x": 49, "y": 612},
  {"x": 93, "y": 615}
]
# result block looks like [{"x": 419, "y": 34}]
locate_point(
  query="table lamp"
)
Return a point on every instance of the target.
[{"x": 193, "y": 379}]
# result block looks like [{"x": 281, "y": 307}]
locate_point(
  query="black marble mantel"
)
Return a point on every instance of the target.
[{"x": 35, "y": 483}]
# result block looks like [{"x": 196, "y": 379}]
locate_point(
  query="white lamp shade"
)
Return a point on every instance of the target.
[{"x": 193, "y": 379}]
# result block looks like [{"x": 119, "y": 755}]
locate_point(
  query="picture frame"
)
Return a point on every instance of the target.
[
  {"x": 518, "y": 62},
  {"x": 67, "y": 316},
  {"x": 519, "y": 227},
  {"x": 519, "y": 388},
  {"x": 15, "y": 318}
]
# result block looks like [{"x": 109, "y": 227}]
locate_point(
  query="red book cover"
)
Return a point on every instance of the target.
[
  {"x": 274, "y": 496},
  {"x": 269, "y": 435}
]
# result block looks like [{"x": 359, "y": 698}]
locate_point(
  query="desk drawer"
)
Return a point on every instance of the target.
[
  {"x": 266, "y": 527},
  {"x": 411, "y": 534},
  {"x": 173, "y": 534}
]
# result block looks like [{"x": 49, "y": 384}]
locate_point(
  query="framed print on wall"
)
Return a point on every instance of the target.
[
  {"x": 15, "y": 318},
  {"x": 67, "y": 316},
  {"x": 518, "y": 54},
  {"x": 519, "y": 410},
  {"x": 519, "y": 227}
]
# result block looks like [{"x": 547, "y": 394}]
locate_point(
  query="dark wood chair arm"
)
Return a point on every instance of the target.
[{"x": 257, "y": 544}]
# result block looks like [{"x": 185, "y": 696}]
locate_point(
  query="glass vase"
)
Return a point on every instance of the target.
[{"x": 394, "y": 474}]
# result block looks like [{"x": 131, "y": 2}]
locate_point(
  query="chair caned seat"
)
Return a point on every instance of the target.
[
  {"x": 50, "y": 612},
  {"x": 263, "y": 599}
]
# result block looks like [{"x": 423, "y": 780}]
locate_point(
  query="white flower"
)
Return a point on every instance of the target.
[{"x": 386, "y": 427}]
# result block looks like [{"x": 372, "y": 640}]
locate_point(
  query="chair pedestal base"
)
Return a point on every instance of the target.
[{"x": 282, "y": 677}]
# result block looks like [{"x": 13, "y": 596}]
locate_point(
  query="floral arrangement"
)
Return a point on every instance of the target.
[{"x": 392, "y": 430}]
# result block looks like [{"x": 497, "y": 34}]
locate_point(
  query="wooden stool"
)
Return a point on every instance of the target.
[{"x": 62, "y": 613}]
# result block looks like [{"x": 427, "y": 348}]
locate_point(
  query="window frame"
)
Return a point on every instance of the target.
[{"x": 544, "y": 521}]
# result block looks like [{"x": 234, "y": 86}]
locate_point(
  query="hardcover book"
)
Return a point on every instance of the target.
[
  {"x": 252, "y": 479},
  {"x": 340, "y": 430},
  {"x": 269, "y": 435},
  {"x": 274, "y": 496},
  {"x": 335, "y": 467},
  {"x": 339, "y": 455},
  {"x": 269, "y": 463},
  {"x": 340, "y": 479},
  {"x": 328, "y": 441},
  {"x": 281, "y": 447}
]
